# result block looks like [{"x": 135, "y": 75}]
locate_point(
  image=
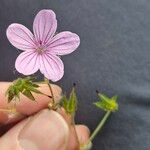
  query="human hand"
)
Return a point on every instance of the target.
[{"x": 38, "y": 127}]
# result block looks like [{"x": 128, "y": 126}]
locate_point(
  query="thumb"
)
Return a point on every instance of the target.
[{"x": 46, "y": 130}]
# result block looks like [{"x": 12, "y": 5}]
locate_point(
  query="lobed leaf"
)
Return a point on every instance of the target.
[
  {"x": 28, "y": 94},
  {"x": 22, "y": 85}
]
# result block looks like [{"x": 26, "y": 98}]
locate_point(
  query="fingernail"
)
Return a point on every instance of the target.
[{"x": 42, "y": 129}]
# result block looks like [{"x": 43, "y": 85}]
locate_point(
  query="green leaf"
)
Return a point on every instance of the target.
[
  {"x": 33, "y": 89},
  {"x": 30, "y": 83},
  {"x": 12, "y": 93},
  {"x": 11, "y": 96},
  {"x": 22, "y": 85},
  {"x": 106, "y": 103},
  {"x": 35, "y": 85},
  {"x": 16, "y": 91},
  {"x": 28, "y": 94}
]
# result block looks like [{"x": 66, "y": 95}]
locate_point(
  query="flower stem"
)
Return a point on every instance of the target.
[
  {"x": 53, "y": 100},
  {"x": 100, "y": 125},
  {"x": 50, "y": 88}
]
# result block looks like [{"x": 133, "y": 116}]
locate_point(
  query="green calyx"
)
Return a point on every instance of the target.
[
  {"x": 106, "y": 103},
  {"x": 70, "y": 104},
  {"x": 24, "y": 86}
]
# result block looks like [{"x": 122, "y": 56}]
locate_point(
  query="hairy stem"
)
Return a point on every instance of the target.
[{"x": 50, "y": 88}]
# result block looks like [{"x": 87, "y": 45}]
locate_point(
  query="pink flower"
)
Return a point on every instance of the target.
[{"x": 42, "y": 50}]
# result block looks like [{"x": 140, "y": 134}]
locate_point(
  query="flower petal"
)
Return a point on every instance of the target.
[
  {"x": 27, "y": 62},
  {"x": 51, "y": 66},
  {"x": 20, "y": 37},
  {"x": 44, "y": 26},
  {"x": 64, "y": 43}
]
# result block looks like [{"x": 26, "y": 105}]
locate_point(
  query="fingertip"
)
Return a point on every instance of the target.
[
  {"x": 49, "y": 122},
  {"x": 45, "y": 130},
  {"x": 83, "y": 133}
]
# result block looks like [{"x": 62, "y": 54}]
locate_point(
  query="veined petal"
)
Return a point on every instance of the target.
[
  {"x": 27, "y": 62},
  {"x": 64, "y": 43},
  {"x": 44, "y": 26},
  {"x": 51, "y": 66},
  {"x": 20, "y": 37}
]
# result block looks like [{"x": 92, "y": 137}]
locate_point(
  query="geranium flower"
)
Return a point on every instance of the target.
[{"x": 43, "y": 48}]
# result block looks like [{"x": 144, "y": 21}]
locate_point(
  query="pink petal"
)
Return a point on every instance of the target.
[
  {"x": 51, "y": 66},
  {"x": 20, "y": 37},
  {"x": 27, "y": 62},
  {"x": 64, "y": 43},
  {"x": 44, "y": 26}
]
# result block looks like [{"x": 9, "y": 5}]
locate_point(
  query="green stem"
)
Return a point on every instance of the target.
[
  {"x": 100, "y": 125},
  {"x": 50, "y": 88}
]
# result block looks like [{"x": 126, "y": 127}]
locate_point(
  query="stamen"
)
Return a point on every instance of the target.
[{"x": 40, "y": 50}]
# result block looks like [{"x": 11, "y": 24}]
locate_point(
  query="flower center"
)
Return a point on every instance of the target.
[
  {"x": 40, "y": 47},
  {"x": 40, "y": 50}
]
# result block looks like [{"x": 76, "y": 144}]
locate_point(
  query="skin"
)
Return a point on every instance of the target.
[{"x": 35, "y": 127}]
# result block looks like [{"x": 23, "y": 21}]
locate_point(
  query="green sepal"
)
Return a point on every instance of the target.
[
  {"x": 70, "y": 104},
  {"x": 64, "y": 102},
  {"x": 106, "y": 103},
  {"x": 73, "y": 101}
]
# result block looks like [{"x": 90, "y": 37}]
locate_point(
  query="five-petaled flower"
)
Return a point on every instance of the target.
[{"x": 42, "y": 50}]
